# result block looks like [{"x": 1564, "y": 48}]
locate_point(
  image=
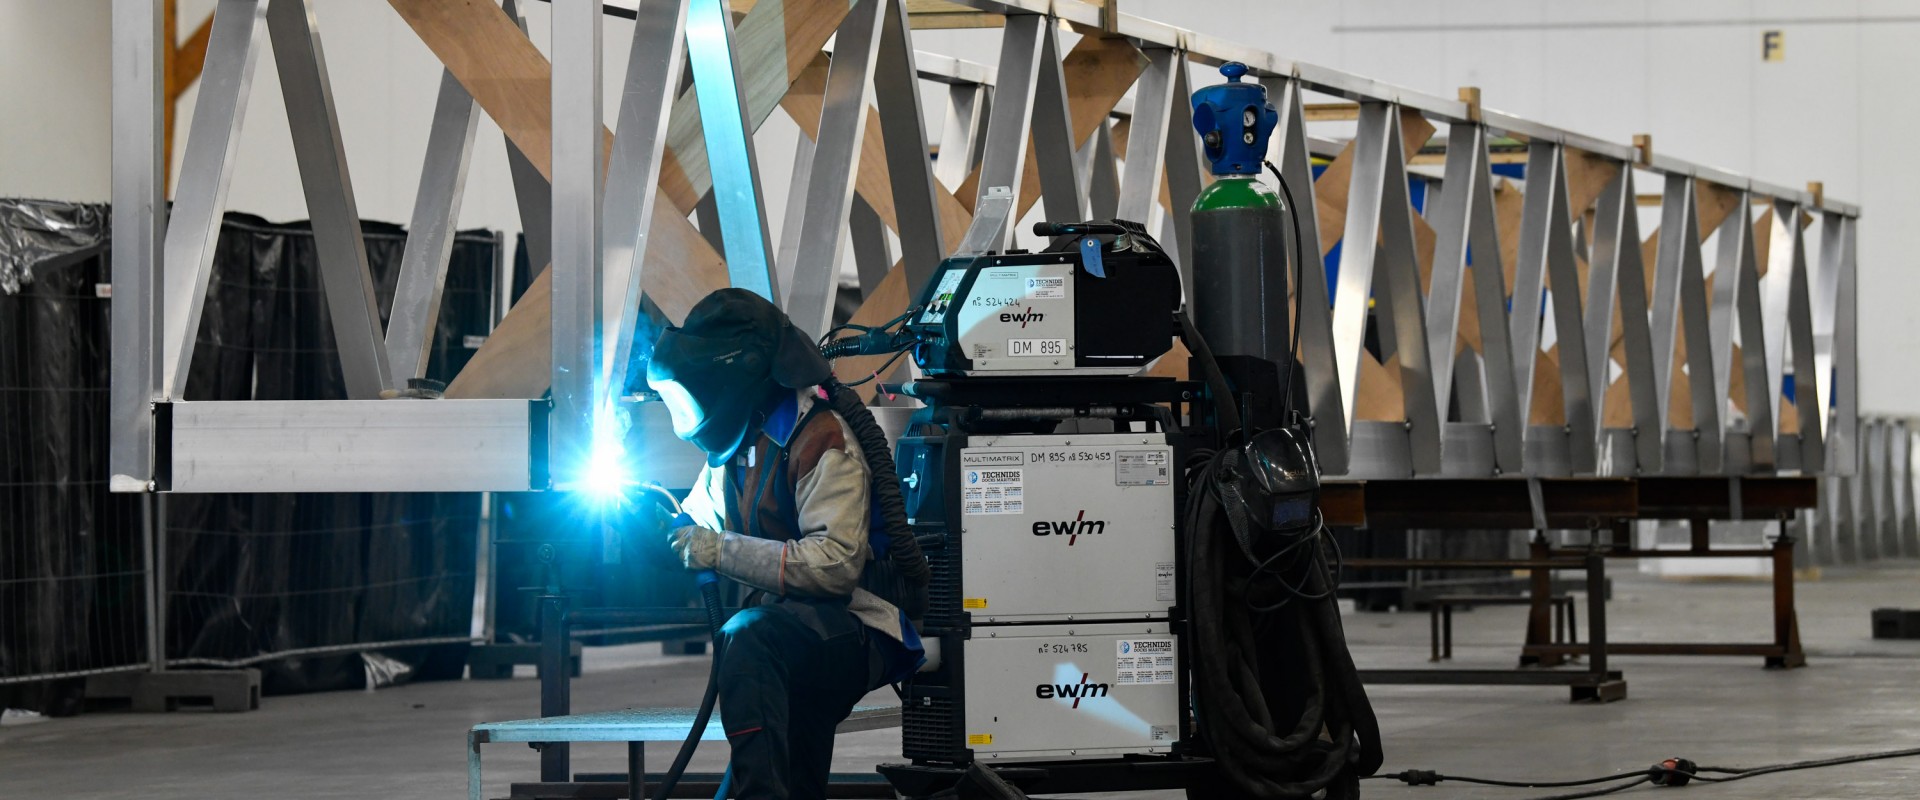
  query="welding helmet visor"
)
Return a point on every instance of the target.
[{"x": 719, "y": 372}]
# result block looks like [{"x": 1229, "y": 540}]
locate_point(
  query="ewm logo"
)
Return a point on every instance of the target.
[
  {"x": 1024, "y": 317},
  {"x": 1073, "y": 691},
  {"x": 1072, "y": 529}
]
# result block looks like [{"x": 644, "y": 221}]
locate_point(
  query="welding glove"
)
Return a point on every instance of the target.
[{"x": 697, "y": 547}]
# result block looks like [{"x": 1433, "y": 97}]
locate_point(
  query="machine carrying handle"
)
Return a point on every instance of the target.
[{"x": 1076, "y": 228}]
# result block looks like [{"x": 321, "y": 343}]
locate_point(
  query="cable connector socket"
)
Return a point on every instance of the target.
[
  {"x": 1672, "y": 772},
  {"x": 1418, "y": 777}
]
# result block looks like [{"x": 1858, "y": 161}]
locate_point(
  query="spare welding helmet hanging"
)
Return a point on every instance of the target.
[{"x": 721, "y": 371}]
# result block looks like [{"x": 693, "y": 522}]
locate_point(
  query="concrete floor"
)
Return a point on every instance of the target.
[{"x": 1858, "y": 695}]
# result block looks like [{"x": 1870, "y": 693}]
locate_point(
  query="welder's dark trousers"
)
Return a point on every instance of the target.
[{"x": 789, "y": 673}]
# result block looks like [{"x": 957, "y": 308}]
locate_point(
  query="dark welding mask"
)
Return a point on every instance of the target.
[
  {"x": 720, "y": 371},
  {"x": 1271, "y": 486}
]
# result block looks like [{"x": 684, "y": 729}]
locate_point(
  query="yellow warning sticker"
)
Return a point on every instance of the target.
[
  {"x": 974, "y": 602},
  {"x": 979, "y": 739}
]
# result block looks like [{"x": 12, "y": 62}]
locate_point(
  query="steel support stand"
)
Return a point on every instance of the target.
[
  {"x": 1786, "y": 620},
  {"x": 555, "y": 688}
]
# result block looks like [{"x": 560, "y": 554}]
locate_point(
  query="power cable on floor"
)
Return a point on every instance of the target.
[{"x": 1673, "y": 772}]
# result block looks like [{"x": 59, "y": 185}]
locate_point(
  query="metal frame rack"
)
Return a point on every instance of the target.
[{"x": 612, "y": 239}]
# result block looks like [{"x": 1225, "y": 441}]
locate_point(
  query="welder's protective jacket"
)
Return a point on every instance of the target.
[{"x": 807, "y": 537}]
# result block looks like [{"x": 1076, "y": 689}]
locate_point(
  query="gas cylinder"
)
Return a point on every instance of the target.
[{"x": 1241, "y": 244}]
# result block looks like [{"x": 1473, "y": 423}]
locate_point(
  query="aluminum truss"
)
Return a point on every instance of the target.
[{"x": 1531, "y": 331}]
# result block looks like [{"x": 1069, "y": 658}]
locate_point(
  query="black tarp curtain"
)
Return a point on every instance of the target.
[
  {"x": 71, "y": 567},
  {"x": 249, "y": 574}
]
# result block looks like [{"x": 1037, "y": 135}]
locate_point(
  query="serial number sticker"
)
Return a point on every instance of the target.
[
  {"x": 1142, "y": 468},
  {"x": 1047, "y": 288},
  {"x": 1094, "y": 457},
  {"x": 973, "y": 602},
  {"x": 975, "y": 739},
  {"x": 1036, "y": 347}
]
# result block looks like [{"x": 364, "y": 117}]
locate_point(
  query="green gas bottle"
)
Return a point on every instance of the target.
[{"x": 1240, "y": 242}]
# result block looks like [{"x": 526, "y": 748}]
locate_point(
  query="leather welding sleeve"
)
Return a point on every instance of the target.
[{"x": 826, "y": 559}]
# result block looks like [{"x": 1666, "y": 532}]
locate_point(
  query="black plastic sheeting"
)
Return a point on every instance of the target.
[
  {"x": 259, "y": 574},
  {"x": 72, "y": 579},
  {"x": 250, "y": 575}
]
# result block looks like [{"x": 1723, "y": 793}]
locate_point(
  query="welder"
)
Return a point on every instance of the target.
[{"x": 785, "y": 507}]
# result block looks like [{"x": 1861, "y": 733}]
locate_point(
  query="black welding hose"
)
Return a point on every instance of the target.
[{"x": 716, "y": 617}]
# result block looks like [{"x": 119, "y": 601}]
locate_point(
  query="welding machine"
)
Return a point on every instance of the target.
[{"x": 1102, "y": 542}]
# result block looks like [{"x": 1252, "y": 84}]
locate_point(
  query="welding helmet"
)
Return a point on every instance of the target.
[{"x": 720, "y": 371}]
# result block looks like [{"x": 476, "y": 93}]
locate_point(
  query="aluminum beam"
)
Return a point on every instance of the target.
[
  {"x": 1062, "y": 197},
  {"x": 1546, "y": 260},
  {"x": 1616, "y": 279},
  {"x": 1147, "y": 135},
  {"x": 436, "y": 214},
  {"x": 829, "y": 193},
  {"x": 1841, "y": 440},
  {"x": 728, "y": 128},
  {"x": 792, "y": 223},
  {"x": 352, "y": 446},
  {"x": 1736, "y": 301},
  {"x": 923, "y": 239},
  {"x": 1183, "y": 173},
  {"x": 654, "y": 67},
  {"x": 321, "y": 155},
  {"x": 200, "y": 196},
  {"x": 1379, "y": 240},
  {"x": 872, "y": 257},
  {"x": 532, "y": 192},
  {"x": 1465, "y": 236},
  {"x": 578, "y": 139},
  {"x": 962, "y": 135},
  {"x": 139, "y": 226},
  {"x": 1317, "y": 353},
  {"x": 1679, "y": 294},
  {"x": 1785, "y": 255},
  {"x": 1003, "y": 157},
  {"x": 1103, "y": 174}
]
